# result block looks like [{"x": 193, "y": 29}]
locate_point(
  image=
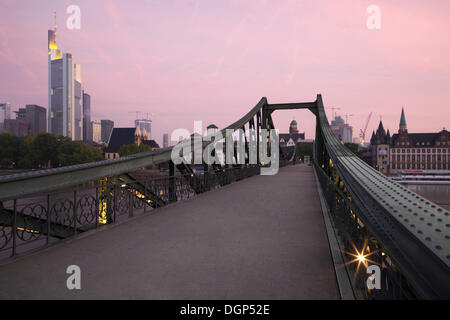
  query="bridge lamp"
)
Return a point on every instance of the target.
[
  {"x": 123, "y": 186},
  {"x": 361, "y": 258}
]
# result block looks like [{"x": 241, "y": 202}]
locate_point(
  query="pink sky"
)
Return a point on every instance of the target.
[{"x": 213, "y": 60}]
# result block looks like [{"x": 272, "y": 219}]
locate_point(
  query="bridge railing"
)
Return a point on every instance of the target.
[
  {"x": 411, "y": 233},
  {"x": 360, "y": 248},
  {"x": 38, "y": 220}
]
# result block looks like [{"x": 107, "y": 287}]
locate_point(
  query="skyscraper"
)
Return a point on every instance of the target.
[
  {"x": 29, "y": 120},
  {"x": 165, "y": 140},
  {"x": 144, "y": 124},
  {"x": 5, "y": 113},
  {"x": 87, "y": 134},
  {"x": 107, "y": 128},
  {"x": 341, "y": 129},
  {"x": 65, "y": 101},
  {"x": 36, "y": 116},
  {"x": 96, "y": 131}
]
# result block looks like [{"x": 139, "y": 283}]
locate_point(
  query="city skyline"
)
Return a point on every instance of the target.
[{"x": 168, "y": 66}]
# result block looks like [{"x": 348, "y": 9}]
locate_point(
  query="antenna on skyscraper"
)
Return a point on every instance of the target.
[{"x": 54, "y": 26}]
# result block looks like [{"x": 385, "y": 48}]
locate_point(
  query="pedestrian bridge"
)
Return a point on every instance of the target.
[
  {"x": 227, "y": 233},
  {"x": 237, "y": 242}
]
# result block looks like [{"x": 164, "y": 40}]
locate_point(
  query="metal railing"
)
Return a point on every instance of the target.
[
  {"x": 412, "y": 232},
  {"x": 36, "y": 221},
  {"x": 360, "y": 248}
]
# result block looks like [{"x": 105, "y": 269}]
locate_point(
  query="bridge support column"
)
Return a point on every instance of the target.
[{"x": 172, "y": 185}]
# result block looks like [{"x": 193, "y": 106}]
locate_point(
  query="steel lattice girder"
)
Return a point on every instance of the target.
[{"x": 412, "y": 230}]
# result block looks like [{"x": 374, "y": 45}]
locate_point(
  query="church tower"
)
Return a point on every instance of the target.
[{"x": 402, "y": 127}]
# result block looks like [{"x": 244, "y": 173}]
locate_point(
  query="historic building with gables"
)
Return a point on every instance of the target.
[{"x": 429, "y": 152}]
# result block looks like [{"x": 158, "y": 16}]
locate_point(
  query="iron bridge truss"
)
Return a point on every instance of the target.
[{"x": 404, "y": 234}]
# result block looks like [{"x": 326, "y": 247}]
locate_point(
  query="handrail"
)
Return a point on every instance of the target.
[{"x": 413, "y": 230}]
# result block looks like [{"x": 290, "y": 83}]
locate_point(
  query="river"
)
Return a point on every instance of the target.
[{"x": 439, "y": 194}]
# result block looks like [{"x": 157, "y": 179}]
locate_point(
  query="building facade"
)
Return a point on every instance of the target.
[
  {"x": 107, "y": 128},
  {"x": 36, "y": 117},
  {"x": 380, "y": 146},
  {"x": 29, "y": 120},
  {"x": 293, "y": 137},
  {"x": 65, "y": 98},
  {"x": 123, "y": 136},
  {"x": 5, "y": 113},
  {"x": 211, "y": 129},
  {"x": 404, "y": 151},
  {"x": 144, "y": 125},
  {"x": 17, "y": 127},
  {"x": 293, "y": 127},
  {"x": 165, "y": 140},
  {"x": 96, "y": 127},
  {"x": 87, "y": 129},
  {"x": 342, "y": 130}
]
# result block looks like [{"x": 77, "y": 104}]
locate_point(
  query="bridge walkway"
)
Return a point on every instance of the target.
[{"x": 259, "y": 238}]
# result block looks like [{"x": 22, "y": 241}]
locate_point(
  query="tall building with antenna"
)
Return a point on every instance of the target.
[
  {"x": 65, "y": 92},
  {"x": 144, "y": 124}
]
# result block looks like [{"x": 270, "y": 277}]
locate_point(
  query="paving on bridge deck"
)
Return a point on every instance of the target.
[{"x": 260, "y": 238}]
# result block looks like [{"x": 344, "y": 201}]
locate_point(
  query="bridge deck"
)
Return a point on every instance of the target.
[{"x": 260, "y": 238}]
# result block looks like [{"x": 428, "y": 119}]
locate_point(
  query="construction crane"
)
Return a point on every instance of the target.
[
  {"x": 347, "y": 116},
  {"x": 147, "y": 113},
  {"x": 137, "y": 113},
  {"x": 333, "y": 113},
  {"x": 362, "y": 133}
]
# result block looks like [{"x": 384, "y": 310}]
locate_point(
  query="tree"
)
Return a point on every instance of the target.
[
  {"x": 9, "y": 150},
  {"x": 303, "y": 149},
  {"x": 74, "y": 152},
  {"x": 44, "y": 149},
  {"x": 129, "y": 149}
]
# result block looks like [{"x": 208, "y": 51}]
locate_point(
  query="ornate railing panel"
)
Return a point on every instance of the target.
[{"x": 43, "y": 219}]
